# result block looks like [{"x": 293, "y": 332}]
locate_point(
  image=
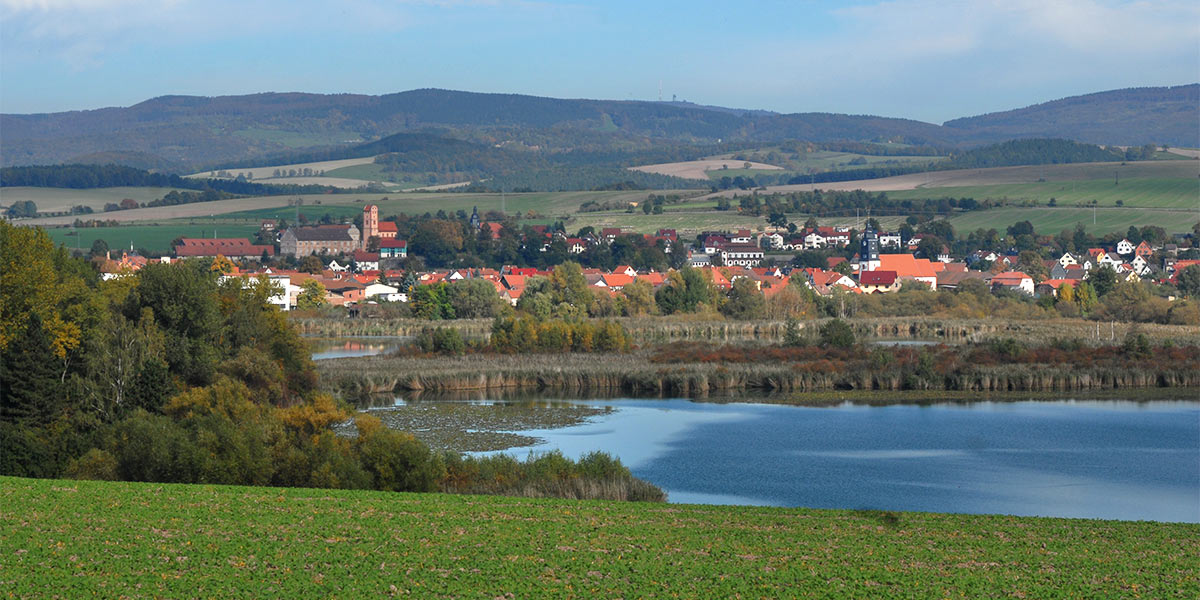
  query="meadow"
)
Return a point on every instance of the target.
[
  {"x": 1054, "y": 220},
  {"x": 156, "y": 238},
  {"x": 84, "y": 538},
  {"x": 1177, "y": 193}
]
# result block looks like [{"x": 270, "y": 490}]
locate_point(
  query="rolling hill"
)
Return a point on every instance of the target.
[
  {"x": 1129, "y": 117},
  {"x": 199, "y": 132}
]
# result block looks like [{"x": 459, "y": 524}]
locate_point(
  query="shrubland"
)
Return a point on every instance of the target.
[{"x": 175, "y": 374}]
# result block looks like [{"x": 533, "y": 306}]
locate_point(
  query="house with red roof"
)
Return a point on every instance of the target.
[
  {"x": 233, "y": 248},
  {"x": 1015, "y": 281},
  {"x": 878, "y": 282},
  {"x": 909, "y": 267},
  {"x": 393, "y": 248}
]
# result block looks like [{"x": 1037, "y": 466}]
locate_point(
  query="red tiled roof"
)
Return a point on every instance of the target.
[
  {"x": 222, "y": 246},
  {"x": 877, "y": 278}
]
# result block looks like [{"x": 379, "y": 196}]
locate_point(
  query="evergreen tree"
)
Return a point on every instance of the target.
[{"x": 30, "y": 388}]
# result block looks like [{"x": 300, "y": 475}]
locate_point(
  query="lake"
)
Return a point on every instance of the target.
[
  {"x": 326, "y": 348},
  {"x": 1091, "y": 459}
]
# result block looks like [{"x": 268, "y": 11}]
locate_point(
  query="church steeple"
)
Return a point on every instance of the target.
[
  {"x": 475, "y": 217},
  {"x": 868, "y": 253}
]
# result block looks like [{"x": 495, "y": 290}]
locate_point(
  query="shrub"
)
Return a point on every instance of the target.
[{"x": 837, "y": 333}]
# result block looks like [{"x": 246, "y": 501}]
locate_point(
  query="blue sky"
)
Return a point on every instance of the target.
[{"x": 919, "y": 59}]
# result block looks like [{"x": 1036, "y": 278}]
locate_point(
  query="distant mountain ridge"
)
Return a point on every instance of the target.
[{"x": 193, "y": 131}]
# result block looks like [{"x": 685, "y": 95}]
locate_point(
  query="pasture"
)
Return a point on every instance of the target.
[
  {"x": 85, "y": 538},
  {"x": 1054, "y": 220},
  {"x": 1171, "y": 193},
  {"x": 155, "y": 238}
]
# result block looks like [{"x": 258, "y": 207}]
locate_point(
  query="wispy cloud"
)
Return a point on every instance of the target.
[{"x": 929, "y": 53}]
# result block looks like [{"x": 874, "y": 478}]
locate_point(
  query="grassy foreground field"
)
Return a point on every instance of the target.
[{"x": 78, "y": 538}]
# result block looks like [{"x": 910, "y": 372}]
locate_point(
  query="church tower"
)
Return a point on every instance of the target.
[
  {"x": 475, "y": 218},
  {"x": 868, "y": 254},
  {"x": 370, "y": 226}
]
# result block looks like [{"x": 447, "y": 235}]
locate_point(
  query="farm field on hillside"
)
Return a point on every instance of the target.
[
  {"x": 1182, "y": 193},
  {"x": 1153, "y": 169},
  {"x": 151, "y": 237},
  {"x": 1054, "y": 220},
  {"x": 826, "y": 160},
  {"x": 698, "y": 169},
  {"x": 265, "y": 172},
  {"x": 83, "y": 538},
  {"x": 62, "y": 199}
]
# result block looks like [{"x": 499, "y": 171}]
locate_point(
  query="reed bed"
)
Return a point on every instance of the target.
[
  {"x": 645, "y": 331},
  {"x": 688, "y": 372}
]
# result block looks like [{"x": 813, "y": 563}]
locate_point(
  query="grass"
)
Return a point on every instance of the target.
[
  {"x": 1054, "y": 220},
  {"x": 81, "y": 538},
  {"x": 1171, "y": 193},
  {"x": 151, "y": 237},
  {"x": 62, "y": 199}
]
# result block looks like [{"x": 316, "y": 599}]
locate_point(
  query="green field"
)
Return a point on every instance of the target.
[
  {"x": 83, "y": 539},
  {"x": 156, "y": 238},
  {"x": 62, "y": 199},
  {"x": 544, "y": 203},
  {"x": 1054, "y": 220},
  {"x": 1181, "y": 192}
]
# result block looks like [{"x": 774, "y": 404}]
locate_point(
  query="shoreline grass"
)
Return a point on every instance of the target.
[{"x": 83, "y": 538}]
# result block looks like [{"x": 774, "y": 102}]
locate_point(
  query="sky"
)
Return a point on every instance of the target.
[{"x": 920, "y": 59}]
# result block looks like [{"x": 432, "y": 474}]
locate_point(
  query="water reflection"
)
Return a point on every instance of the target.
[
  {"x": 327, "y": 348},
  {"x": 1093, "y": 459}
]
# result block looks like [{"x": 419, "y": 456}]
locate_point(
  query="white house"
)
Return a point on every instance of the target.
[
  {"x": 741, "y": 255},
  {"x": 388, "y": 293},
  {"x": 889, "y": 240},
  {"x": 1125, "y": 247},
  {"x": 338, "y": 268},
  {"x": 814, "y": 240},
  {"x": 1140, "y": 266},
  {"x": 774, "y": 240}
]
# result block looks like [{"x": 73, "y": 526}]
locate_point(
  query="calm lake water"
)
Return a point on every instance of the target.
[
  {"x": 1092, "y": 459},
  {"x": 326, "y": 348}
]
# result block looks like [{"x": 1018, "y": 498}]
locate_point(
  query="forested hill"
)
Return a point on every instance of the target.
[
  {"x": 1129, "y": 117},
  {"x": 193, "y": 132}
]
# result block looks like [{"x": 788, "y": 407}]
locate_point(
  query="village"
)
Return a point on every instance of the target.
[{"x": 352, "y": 268}]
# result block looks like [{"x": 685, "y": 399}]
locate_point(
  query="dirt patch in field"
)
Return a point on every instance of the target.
[
  {"x": 1185, "y": 152},
  {"x": 267, "y": 172},
  {"x": 337, "y": 182},
  {"x": 697, "y": 169},
  {"x": 444, "y": 186}
]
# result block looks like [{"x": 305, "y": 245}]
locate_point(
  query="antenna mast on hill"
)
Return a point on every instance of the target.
[{"x": 660, "y": 90}]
